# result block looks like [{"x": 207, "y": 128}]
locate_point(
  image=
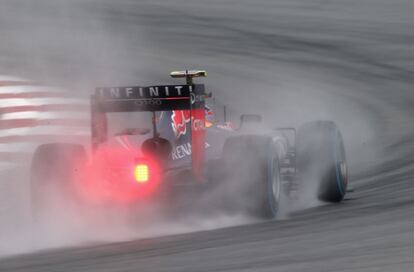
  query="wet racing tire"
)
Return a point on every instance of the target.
[
  {"x": 321, "y": 159},
  {"x": 252, "y": 168},
  {"x": 53, "y": 171}
]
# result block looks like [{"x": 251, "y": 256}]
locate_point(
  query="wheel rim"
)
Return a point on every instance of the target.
[
  {"x": 340, "y": 164},
  {"x": 344, "y": 172},
  {"x": 275, "y": 188}
]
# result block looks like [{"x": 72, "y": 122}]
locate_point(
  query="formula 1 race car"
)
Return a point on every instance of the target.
[{"x": 152, "y": 142}]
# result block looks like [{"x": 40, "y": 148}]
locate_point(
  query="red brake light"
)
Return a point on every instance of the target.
[{"x": 141, "y": 173}]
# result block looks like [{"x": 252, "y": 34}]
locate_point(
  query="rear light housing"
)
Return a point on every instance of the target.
[{"x": 117, "y": 175}]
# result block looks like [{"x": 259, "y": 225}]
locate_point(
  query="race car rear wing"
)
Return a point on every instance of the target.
[
  {"x": 151, "y": 98},
  {"x": 154, "y": 98}
]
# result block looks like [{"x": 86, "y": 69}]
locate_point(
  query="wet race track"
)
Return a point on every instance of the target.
[{"x": 292, "y": 61}]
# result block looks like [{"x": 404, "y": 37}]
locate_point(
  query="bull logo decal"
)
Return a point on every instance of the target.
[{"x": 180, "y": 118}]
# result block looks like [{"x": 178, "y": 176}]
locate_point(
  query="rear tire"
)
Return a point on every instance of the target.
[
  {"x": 321, "y": 156},
  {"x": 252, "y": 167},
  {"x": 53, "y": 171}
]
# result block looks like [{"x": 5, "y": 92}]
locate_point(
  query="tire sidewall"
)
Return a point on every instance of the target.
[
  {"x": 321, "y": 150},
  {"x": 259, "y": 174},
  {"x": 273, "y": 184}
]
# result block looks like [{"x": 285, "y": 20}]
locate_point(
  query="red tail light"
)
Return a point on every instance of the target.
[
  {"x": 121, "y": 176},
  {"x": 141, "y": 172}
]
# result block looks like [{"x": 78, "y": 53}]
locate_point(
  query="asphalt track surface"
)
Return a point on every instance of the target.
[{"x": 351, "y": 61}]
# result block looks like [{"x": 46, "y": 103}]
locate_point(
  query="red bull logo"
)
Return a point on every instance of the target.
[
  {"x": 209, "y": 117},
  {"x": 180, "y": 118},
  {"x": 209, "y": 113}
]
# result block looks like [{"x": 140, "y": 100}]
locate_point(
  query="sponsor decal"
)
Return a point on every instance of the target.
[
  {"x": 195, "y": 98},
  {"x": 198, "y": 125},
  {"x": 179, "y": 119},
  {"x": 173, "y": 91},
  {"x": 148, "y": 102},
  {"x": 181, "y": 151}
]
